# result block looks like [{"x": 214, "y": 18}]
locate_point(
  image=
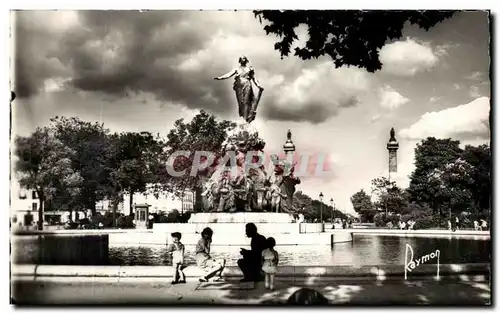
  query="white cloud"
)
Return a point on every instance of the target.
[
  {"x": 475, "y": 76},
  {"x": 390, "y": 99},
  {"x": 375, "y": 117},
  {"x": 325, "y": 86},
  {"x": 464, "y": 121},
  {"x": 442, "y": 50},
  {"x": 407, "y": 58},
  {"x": 474, "y": 92},
  {"x": 433, "y": 99},
  {"x": 54, "y": 84},
  {"x": 55, "y": 21}
]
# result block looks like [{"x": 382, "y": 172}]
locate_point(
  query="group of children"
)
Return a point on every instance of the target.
[{"x": 270, "y": 260}]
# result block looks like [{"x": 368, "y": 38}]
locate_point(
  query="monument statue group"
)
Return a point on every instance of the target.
[{"x": 242, "y": 188}]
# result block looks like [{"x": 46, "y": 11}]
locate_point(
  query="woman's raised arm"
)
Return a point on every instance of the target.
[{"x": 226, "y": 76}]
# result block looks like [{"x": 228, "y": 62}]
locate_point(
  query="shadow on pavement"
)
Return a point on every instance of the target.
[
  {"x": 347, "y": 291},
  {"x": 369, "y": 292}
]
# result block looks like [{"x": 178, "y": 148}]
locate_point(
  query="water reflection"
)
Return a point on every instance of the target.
[{"x": 364, "y": 250}]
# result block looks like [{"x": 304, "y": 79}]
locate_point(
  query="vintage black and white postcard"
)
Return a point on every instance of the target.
[{"x": 222, "y": 157}]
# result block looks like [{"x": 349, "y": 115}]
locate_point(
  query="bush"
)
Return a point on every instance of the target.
[
  {"x": 425, "y": 222},
  {"x": 93, "y": 223},
  {"x": 382, "y": 220},
  {"x": 423, "y": 216},
  {"x": 172, "y": 217},
  {"x": 161, "y": 218},
  {"x": 125, "y": 222}
]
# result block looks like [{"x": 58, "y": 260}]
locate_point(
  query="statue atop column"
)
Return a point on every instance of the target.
[
  {"x": 393, "y": 135},
  {"x": 244, "y": 76}
]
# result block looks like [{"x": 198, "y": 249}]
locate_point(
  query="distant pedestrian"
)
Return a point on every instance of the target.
[
  {"x": 150, "y": 221},
  {"x": 270, "y": 260},
  {"x": 301, "y": 218},
  {"x": 457, "y": 223},
  {"x": 484, "y": 225},
  {"x": 411, "y": 223},
  {"x": 177, "y": 249},
  {"x": 449, "y": 225},
  {"x": 476, "y": 225}
]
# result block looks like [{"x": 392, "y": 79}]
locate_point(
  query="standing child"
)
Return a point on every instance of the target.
[
  {"x": 177, "y": 250},
  {"x": 270, "y": 261}
]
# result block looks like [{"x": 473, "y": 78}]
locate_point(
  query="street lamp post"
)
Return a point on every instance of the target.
[{"x": 321, "y": 206}]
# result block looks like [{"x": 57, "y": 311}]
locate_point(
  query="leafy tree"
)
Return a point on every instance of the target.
[
  {"x": 303, "y": 204},
  {"x": 44, "y": 165},
  {"x": 454, "y": 180},
  {"x": 92, "y": 159},
  {"x": 203, "y": 133},
  {"x": 431, "y": 154},
  {"x": 480, "y": 159},
  {"x": 134, "y": 163},
  {"x": 449, "y": 179},
  {"x": 311, "y": 209},
  {"x": 390, "y": 197},
  {"x": 351, "y": 38},
  {"x": 362, "y": 204}
]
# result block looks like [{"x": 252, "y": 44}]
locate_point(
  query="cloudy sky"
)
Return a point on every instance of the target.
[{"x": 140, "y": 71}]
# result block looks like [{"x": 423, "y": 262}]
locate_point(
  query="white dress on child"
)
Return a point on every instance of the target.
[
  {"x": 270, "y": 261},
  {"x": 177, "y": 250}
]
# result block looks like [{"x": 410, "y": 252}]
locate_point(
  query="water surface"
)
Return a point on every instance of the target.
[{"x": 364, "y": 250}]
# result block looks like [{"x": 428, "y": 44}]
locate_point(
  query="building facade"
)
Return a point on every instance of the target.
[
  {"x": 24, "y": 206},
  {"x": 162, "y": 202}
]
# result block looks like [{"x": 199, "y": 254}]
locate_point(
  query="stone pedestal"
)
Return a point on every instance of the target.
[{"x": 241, "y": 217}]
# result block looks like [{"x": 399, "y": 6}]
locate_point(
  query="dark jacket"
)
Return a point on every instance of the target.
[{"x": 258, "y": 244}]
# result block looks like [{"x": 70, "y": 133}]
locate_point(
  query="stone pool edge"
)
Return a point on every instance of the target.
[{"x": 41, "y": 271}]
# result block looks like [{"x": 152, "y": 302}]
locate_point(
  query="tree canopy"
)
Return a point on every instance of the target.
[
  {"x": 311, "y": 209},
  {"x": 447, "y": 181},
  {"x": 44, "y": 165},
  {"x": 362, "y": 204},
  {"x": 390, "y": 197},
  {"x": 92, "y": 158},
  {"x": 351, "y": 38},
  {"x": 135, "y": 163},
  {"x": 203, "y": 133}
]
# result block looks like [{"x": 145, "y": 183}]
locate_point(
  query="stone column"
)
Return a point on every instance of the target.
[{"x": 392, "y": 147}]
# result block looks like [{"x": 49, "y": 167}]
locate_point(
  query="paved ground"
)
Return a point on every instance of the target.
[{"x": 338, "y": 291}]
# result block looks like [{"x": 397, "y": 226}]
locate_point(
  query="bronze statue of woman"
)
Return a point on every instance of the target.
[{"x": 247, "y": 100}]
